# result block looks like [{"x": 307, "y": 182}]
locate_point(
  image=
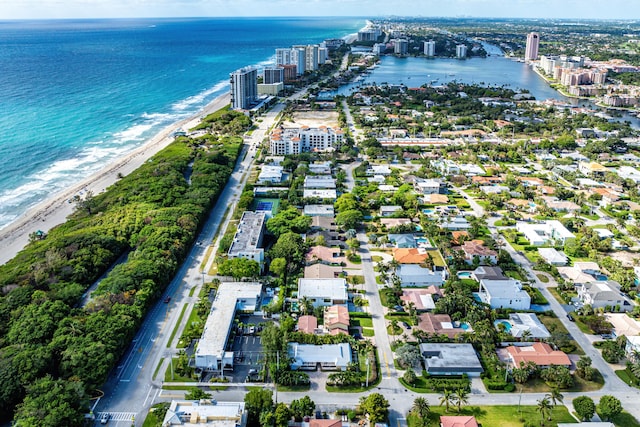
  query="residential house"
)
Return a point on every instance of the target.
[
  {"x": 601, "y": 294},
  {"x": 308, "y": 324},
  {"x": 319, "y": 210},
  {"x": 504, "y": 294},
  {"x": 435, "y": 199},
  {"x": 539, "y": 353},
  {"x": 270, "y": 174},
  {"x": 323, "y": 292},
  {"x": 394, "y": 222},
  {"x": 320, "y": 168},
  {"x": 553, "y": 257},
  {"x": 321, "y": 423},
  {"x": 322, "y": 271},
  {"x": 429, "y": 186},
  {"x": 413, "y": 275},
  {"x": 488, "y": 272},
  {"x": 336, "y": 319},
  {"x": 458, "y": 421},
  {"x": 439, "y": 324},
  {"x": 325, "y": 255},
  {"x": 205, "y": 412},
  {"x": 422, "y": 299},
  {"x": 592, "y": 169},
  {"x": 450, "y": 359},
  {"x": 526, "y": 323},
  {"x": 627, "y": 172},
  {"x": 325, "y": 357},
  {"x": 476, "y": 249},
  {"x": 403, "y": 240},
  {"x": 558, "y": 205},
  {"x": 588, "y": 424},
  {"x": 608, "y": 196},
  {"x": 632, "y": 347},
  {"x": 494, "y": 189},
  {"x": 387, "y": 211},
  {"x": 411, "y": 255},
  {"x": 383, "y": 170},
  {"x": 322, "y": 182},
  {"x": 546, "y": 233},
  {"x": 458, "y": 223}
]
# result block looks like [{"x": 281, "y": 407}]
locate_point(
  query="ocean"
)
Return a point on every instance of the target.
[{"x": 77, "y": 94}]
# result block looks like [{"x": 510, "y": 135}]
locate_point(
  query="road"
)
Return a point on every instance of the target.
[{"x": 130, "y": 389}]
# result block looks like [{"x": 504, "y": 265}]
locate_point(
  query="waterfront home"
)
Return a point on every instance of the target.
[{"x": 602, "y": 294}]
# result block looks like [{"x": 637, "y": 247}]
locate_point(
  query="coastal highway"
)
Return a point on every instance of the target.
[{"x": 131, "y": 389}]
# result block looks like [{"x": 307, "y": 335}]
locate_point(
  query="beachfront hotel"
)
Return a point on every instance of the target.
[
  {"x": 533, "y": 44},
  {"x": 287, "y": 141},
  {"x": 244, "y": 88}
]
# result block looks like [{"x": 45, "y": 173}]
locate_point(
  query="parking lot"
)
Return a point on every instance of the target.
[{"x": 247, "y": 349}]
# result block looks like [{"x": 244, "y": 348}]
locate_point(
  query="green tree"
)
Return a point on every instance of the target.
[
  {"x": 239, "y": 268},
  {"x": 278, "y": 267},
  {"x": 346, "y": 202},
  {"x": 584, "y": 369},
  {"x": 408, "y": 355},
  {"x": 555, "y": 396},
  {"x": 447, "y": 399},
  {"x": 289, "y": 246},
  {"x": 609, "y": 407},
  {"x": 409, "y": 376},
  {"x": 287, "y": 221},
  {"x": 544, "y": 408},
  {"x": 349, "y": 219},
  {"x": 461, "y": 397},
  {"x": 52, "y": 403},
  {"x": 585, "y": 408},
  {"x": 282, "y": 415},
  {"x": 421, "y": 409},
  {"x": 302, "y": 407},
  {"x": 256, "y": 402},
  {"x": 196, "y": 393},
  {"x": 375, "y": 406}
]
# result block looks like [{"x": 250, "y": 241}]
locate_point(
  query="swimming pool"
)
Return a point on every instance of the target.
[
  {"x": 427, "y": 211},
  {"x": 507, "y": 325},
  {"x": 464, "y": 274}
]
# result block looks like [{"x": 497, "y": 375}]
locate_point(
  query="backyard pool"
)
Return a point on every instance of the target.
[
  {"x": 464, "y": 274},
  {"x": 427, "y": 211},
  {"x": 507, "y": 325}
]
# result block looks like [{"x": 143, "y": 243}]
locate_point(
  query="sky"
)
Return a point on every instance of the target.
[{"x": 570, "y": 9}]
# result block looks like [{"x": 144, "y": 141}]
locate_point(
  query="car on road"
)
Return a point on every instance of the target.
[
  {"x": 167, "y": 300},
  {"x": 104, "y": 418}
]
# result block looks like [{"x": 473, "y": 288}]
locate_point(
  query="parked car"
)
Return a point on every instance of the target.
[
  {"x": 570, "y": 317},
  {"x": 406, "y": 325},
  {"x": 104, "y": 418}
]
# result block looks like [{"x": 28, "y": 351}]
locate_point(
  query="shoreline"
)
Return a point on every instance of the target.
[{"x": 54, "y": 210}]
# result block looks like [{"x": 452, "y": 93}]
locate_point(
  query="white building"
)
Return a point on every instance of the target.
[
  {"x": 286, "y": 141},
  {"x": 400, "y": 46},
  {"x": 231, "y": 297},
  {"x": 323, "y": 292},
  {"x": 547, "y": 233},
  {"x": 312, "y": 357},
  {"x": 412, "y": 275},
  {"x": 533, "y": 43},
  {"x": 270, "y": 174},
  {"x": 504, "y": 294},
  {"x": 527, "y": 322},
  {"x": 627, "y": 172},
  {"x": 244, "y": 88},
  {"x": 248, "y": 238},
  {"x": 430, "y": 48},
  {"x": 553, "y": 257},
  {"x": 429, "y": 186},
  {"x": 461, "y": 51},
  {"x": 205, "y": 413},
  {"x": 319, "y": 210},
  {"x": 324, "y": 182},
  {"x": 601, "y": 294}
]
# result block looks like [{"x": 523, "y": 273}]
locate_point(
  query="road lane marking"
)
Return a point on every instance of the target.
[{"x": 386, "y": 362}]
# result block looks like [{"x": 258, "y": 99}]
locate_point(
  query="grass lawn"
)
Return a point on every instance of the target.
[
  {"x": 155, "y": 373},
  {"x": 193, "y": 318},
  {"x": 376, "y": 258},
  {"x": 514, "y": 275},
  {"x": 178, "y": 323},
  {"x": 628, "y": 377},
  {"x": 548, "y": 321},
  {"x": 625, "y": 419},
  {"x": 368, "y": 332},
  {"x": 176, "y": 377},
  {"x": 579, "y": 385},
  {"x": 499, "y": 416},
  {"x": 543, "y": 278},
  {"x": 364, "y": 322}
]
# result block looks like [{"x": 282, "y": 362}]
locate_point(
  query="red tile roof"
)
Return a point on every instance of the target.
[
  {"x": 539, "y": 353},
  {"x": 458, "y": 421}
]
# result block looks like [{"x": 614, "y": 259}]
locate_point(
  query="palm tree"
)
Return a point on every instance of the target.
[
  {"x": 544, "y": 407},
  {"x": 447, "y": 399},
  {"x": 421, "y": 409},
  {"x": 461, "y": 397},
  {"x": 526, "y": 335},
  {"x": 554, "y": 396}
]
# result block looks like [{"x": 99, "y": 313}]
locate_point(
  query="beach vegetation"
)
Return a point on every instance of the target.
[{"x": 56, "y": 347}]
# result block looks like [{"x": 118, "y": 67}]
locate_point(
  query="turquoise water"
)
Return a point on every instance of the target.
[
  {"x": 427, "y": 211},
  {"x": 464, "y": 326},
  {"x": 77, "y": 94},
  {"x": 507, "y": 325},
  {"x": 464, "y": 275}
]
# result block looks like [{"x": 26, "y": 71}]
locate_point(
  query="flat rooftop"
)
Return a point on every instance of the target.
[
  {"x": 231, "y": 296},
  {"x": 205, "y": 413},
  {"x": 247, "y": 237},
  {"x": 445, "y": 357}
]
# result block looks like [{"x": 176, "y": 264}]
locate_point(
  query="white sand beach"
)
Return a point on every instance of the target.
[{"x": 54, "y": 211}]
